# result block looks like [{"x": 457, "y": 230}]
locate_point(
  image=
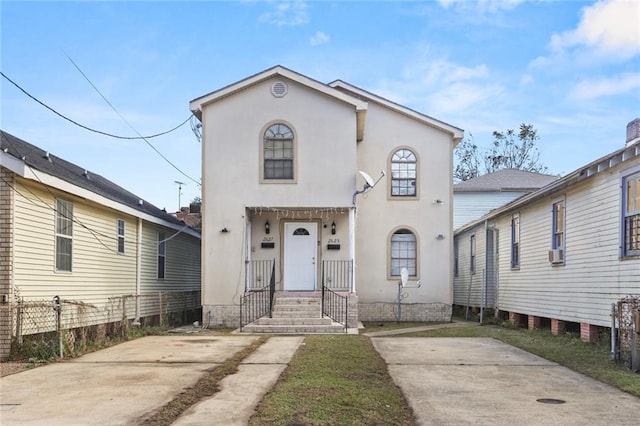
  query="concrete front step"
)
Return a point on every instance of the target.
[
  {"x": 295, "y": 329},
  {"x": 293, "y": 321},
  {"x": 296, "y": 314},
  {"x": 284, "y": 308}
]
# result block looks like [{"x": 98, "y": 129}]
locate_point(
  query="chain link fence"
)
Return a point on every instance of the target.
[
  {"x": 627, "y": 311},
  {"x": 44, "y": 329}
]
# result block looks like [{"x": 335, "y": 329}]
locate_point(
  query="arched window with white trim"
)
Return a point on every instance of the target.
[
  {"x": 404, "y": 252},
  {"x": 278, "y": 155},
  {"x": 404, "y": 173}
]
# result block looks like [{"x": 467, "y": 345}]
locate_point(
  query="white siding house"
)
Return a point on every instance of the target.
[
  {"x": 282, "y": 191},
  {"x": 561, "y": 254},
  {"x": 70, "y": 233}
]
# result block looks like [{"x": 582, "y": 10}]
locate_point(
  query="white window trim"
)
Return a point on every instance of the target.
[
  {"x": 264, "y": 180},
  {"x": 626, "y": 175},
  {"x": 515, "y": 265},
  {"x": 390, "y": 196},
  {"x": 68, "y": 237},
  {"x": 119, "y": 236},
  {"x": 472, "y": 253},
  {"x": 162, "y": 253},
  {"x": 391, "y": 276}
]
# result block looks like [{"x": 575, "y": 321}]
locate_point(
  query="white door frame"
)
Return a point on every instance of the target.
[{"x": 300, "y": 258}]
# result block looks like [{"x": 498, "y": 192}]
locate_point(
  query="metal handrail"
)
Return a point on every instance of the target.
[
  {"x": 338, "y": 274},
  {"x": 256, "y": 304},
  {"x": 334, "y": 305}
]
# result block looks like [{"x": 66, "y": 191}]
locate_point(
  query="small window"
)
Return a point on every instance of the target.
[
  {"x": 161, "y": 255},
  {"x": 403, "y": 173},
  {"x": 64, "y": 235},
  {"x": 120, "y": 236},
  {"x": 300, "y": 231},
  {"x": 403, "y": 252},
  {"x": 558, "y": 236},
  {"x": 278, "y": 153},
  {"x": 455, "y": 257},
  {"x": 631, "y": 215},
  {"x": 515, "y": 241},
  {"x": 472, "y": 254}
]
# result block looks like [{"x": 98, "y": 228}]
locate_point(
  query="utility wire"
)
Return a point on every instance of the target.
[
  {"x": 86, "y": 127},
  {"x": 130, "y": 125}
]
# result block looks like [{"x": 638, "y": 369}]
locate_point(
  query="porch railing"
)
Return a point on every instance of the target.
[
  {"x": 258, "y": 303},
  {"x": 335, "y": 306},
  {"x": 337, "y": 275},
  {"x": 258, "y": 273}
]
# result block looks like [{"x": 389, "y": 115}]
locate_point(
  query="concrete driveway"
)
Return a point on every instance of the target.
[{"x": 481, "y": 381}]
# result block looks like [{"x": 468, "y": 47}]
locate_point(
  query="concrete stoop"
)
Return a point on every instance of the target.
[{"x": 296, "y": 315}]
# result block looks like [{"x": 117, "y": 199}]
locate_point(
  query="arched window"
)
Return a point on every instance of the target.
[
  {"x": 403, "y": 173},
  {"x": 404, "y": 252},
  {"x": 278, "y": 153}
]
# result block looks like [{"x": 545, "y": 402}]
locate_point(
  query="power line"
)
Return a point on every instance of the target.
[
  {"x": 86, "y": 127},
  {"x": 129, "y": 124}
]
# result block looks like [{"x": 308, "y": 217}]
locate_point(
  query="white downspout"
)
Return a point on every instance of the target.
[
  {"x": 352, "y": 246},
  {"x": 138, "y": 269}
]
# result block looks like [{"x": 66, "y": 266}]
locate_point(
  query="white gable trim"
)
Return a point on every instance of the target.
[{"x": 457, "y": 133}]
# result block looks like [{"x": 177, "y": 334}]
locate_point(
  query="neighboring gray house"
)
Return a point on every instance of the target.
[
  {"x": 562, "y": 254},
  {"x": 478, "y": 196}
]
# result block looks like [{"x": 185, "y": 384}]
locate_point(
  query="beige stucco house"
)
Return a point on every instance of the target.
[
  {"x": 282, "y": 192},
  {"x": 106, "y": 254}
]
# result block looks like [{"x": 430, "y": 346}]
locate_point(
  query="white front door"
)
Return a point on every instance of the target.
[{"x": 300, "y": 251}]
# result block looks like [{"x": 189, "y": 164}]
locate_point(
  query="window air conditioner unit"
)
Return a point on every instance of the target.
[{"x": 556, "y": 256}]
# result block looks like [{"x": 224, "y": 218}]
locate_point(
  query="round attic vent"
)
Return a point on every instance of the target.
[{"x": 279, "y": 89}]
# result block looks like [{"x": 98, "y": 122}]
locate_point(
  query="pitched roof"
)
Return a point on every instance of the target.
[
  {"x": 39, "y": 160},
  {"x": 505, "y": 180}
]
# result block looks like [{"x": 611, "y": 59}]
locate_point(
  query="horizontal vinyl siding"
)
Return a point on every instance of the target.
[
  {"x": 467, "y": 288},
  {"x": 593, "y": 276},
  {"x": 98, "y": 272},
  {"x": 469, "y": 206}
]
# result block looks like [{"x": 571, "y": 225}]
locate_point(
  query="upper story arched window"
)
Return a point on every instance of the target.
[
  {"x": 278, "y": 153},
  {"x": 404, "y": 173}
]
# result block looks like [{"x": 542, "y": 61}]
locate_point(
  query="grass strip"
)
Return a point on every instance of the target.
[
  {"x": 205, "y": 387},
  {"x": 591, "y": 359},
  {"x": 335, "y": 380}
]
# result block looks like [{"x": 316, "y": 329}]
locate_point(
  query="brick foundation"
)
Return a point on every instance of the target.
[
  {"x": 588, "y": 332},
  {"x": 533, "y": 322},
  {"x": 558, "y": 327},
  {"x": 514, "y": 317}
]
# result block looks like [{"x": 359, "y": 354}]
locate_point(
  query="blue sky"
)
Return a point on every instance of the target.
[{"x": 570, "y": 68}]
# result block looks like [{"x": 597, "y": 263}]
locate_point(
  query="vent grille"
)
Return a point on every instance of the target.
[{"x": 279, "y": 89}]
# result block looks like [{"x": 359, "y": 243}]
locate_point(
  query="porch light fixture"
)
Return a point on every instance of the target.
[
  {"x": 333, "y": 228},
  {"x": 267, "y": 228}
]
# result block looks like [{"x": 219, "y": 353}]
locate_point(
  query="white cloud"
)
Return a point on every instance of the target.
[
  {"x": 483, "y": 5},
  {"x": 287, "y": 13},
  {"x": 319, "y": 38},
  {"x": 595, "y": 88},
  {"x": 610, "y": 27}
]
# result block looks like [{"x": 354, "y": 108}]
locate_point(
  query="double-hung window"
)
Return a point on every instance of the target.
[
  {"x": 120, "y": 230},
  {"x": 558, "y": 230},
  {"x": 404, "y": 252},
  {"x": 456, "y": 258},
  {"x": 515, "y": 241},
  {"x": 162, "y": 247},
  {"x": 278, "y": 155},
  {"x": 64, "y": 235},
  {"x": 403, "y": 173},
  {"x": 631, "y": 215}
]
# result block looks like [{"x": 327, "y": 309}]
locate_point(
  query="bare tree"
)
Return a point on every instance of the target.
[{"x": 509, "y": 150}]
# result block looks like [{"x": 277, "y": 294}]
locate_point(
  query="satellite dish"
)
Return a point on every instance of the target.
[
  {"x": 404, "y": 276},
  {"x": 369, "y": 181}
]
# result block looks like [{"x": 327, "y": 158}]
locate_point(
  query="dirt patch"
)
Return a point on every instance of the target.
[{"x": 10, "y": 367}]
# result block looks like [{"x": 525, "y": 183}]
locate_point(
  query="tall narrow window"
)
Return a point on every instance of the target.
[
  {"x": 161, "y": 254},
  {"x": 472, "y": 254},
  {"x": 278, "y": 153},
  {"x": 455, "y": 257},
  {"x": 631, "y": 216},
  {"x": 403, "y": 173},
  {"x": 403, "y": 252},
  {"x": 120, "y": 236},
  {"x": 64, "y": 235},
  {"x": 515, "y": 241},
  {"x": 558, "y": 236}
]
